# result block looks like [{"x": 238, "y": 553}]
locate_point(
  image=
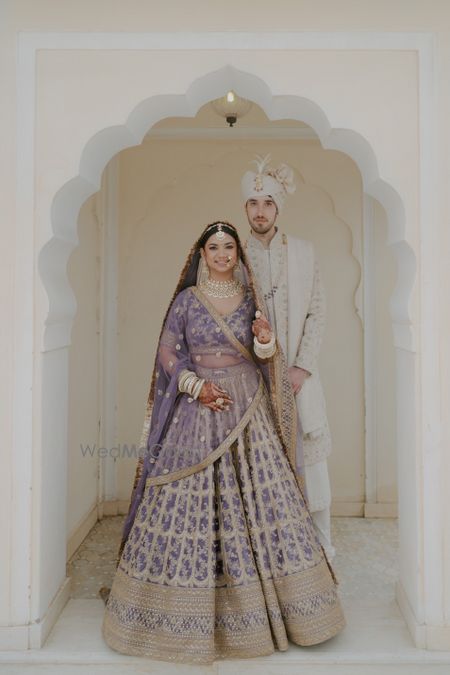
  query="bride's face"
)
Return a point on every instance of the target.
[{"x": 220, "y": 254}]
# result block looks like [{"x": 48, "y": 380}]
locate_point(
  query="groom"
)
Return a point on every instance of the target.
[{"x": 288, "y": 276}]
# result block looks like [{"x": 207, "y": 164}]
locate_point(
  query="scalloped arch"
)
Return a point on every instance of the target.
[{"x": 108, "y": 142}]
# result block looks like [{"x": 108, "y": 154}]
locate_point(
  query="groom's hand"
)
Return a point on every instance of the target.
[{"x": 297, "y": 376}]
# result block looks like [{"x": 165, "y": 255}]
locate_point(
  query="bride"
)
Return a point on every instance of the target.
[{"x": 219, "y": 557}]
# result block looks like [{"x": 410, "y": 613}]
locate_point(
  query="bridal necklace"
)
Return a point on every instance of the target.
[{"x": 221, "y": 289}]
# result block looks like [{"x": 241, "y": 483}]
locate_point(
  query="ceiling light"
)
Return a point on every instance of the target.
[{"x": 231, "y": 106}]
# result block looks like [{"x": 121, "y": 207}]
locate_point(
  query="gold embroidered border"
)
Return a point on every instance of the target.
[
  {"x": 310, "y": 604},
  {"x": 199, "y": 625}
]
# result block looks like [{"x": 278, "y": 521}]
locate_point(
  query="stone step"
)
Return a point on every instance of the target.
[
  {"x": 375, "y": 642},
  {"x": 257, "y": 668}
]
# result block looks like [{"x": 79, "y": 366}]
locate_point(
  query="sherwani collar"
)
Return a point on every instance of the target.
[{"x": 256, "y": 244}]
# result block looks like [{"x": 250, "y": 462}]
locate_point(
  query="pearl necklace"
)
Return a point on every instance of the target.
[{"x": 221, "y": 289}]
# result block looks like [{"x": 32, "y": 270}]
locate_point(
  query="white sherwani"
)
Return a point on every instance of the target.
[{"x": 290, "y": 282}]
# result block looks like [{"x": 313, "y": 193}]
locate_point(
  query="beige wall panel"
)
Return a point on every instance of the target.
[{"x": 169, "y": 191}]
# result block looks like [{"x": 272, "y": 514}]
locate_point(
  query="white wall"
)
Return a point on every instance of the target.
[
  {"x": 83, "y": 421},
  {"x": 385, "y": 276},
  {"x": 287, "y": 15}
]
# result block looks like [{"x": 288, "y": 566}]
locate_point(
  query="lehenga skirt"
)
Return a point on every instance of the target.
[{"x": 224, "y": 562}]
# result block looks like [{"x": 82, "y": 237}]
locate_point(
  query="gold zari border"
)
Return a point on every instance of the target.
[{"x": 200, "y": 625}]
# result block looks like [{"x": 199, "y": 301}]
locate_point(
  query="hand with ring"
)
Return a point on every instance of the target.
[
  {"x": 214, "y": 397},
  {"x": 261, "y": 328}
]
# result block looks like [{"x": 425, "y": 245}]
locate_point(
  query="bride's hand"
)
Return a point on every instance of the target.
[
  {"x": 214, "y": 397},
  {"x": 261, "y": 328}
]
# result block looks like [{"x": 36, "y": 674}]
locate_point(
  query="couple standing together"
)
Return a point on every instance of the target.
[{"x": 226, "y": 548}]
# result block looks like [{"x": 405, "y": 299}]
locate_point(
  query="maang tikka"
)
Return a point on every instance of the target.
[{"x": 220, "y": 233}]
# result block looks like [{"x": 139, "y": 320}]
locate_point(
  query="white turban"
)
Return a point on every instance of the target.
[{"x": 276, "y": 183}]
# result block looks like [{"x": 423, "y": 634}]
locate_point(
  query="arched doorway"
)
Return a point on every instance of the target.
[
  {"x": 154, "y": 198},
  {"x": 66, "y": 205}
]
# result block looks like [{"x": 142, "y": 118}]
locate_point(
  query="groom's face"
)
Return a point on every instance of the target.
[{"x": 261, "y": 213}]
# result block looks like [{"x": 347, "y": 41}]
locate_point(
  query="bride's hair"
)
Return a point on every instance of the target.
[{"x": 213, "y": 228}]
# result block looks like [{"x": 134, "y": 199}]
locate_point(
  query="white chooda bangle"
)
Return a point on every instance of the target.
[
  {"x": 189, "y": 383},
  {"x": 198, "y": 387},
  {"x": 184, "y": 379},
  {"x": 264, "y": 350}
]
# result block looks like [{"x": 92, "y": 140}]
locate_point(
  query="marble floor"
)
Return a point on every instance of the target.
[
  {"x": 365, "y": 564},
  {"x": 376, "y": 640}
]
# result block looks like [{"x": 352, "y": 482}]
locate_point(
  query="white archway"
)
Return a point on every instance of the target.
[{"x": 106, "y": 143}]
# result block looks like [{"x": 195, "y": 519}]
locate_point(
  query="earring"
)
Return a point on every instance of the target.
[{"x": 202, "y": 272}]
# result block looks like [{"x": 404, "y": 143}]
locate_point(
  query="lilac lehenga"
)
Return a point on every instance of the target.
[{"x": 219, "y": 556}]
